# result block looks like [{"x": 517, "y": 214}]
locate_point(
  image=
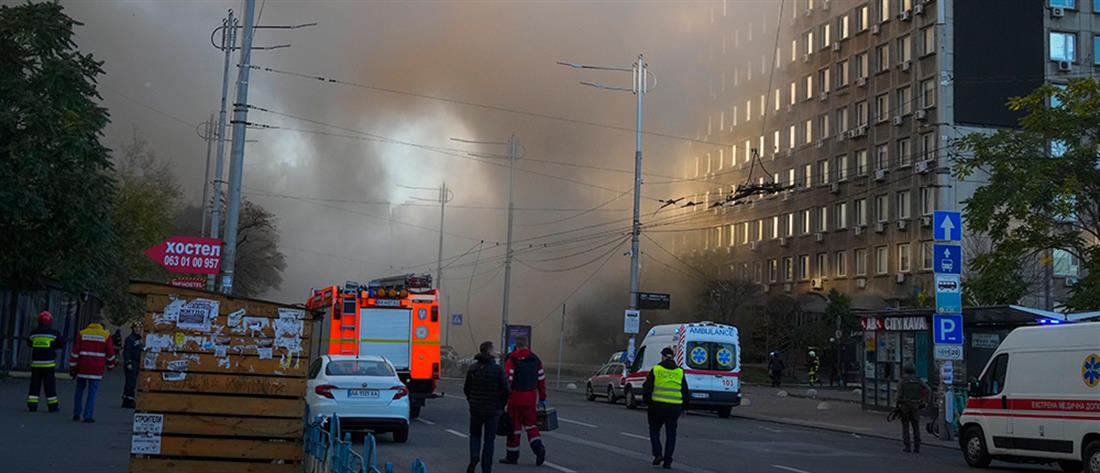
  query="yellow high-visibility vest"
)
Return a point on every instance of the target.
[{"x": 667, "y": 385}]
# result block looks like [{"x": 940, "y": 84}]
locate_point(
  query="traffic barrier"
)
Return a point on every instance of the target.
[{"x": 328, "y": 450}]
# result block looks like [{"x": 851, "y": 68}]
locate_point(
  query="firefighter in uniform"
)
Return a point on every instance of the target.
[
  {"x": 131, "y": 359},
  {"x": 527, "y": 380},
  {"x": 813, "y": 364},
  {"x": 44, "y": 342},
  {"x": 664, "y": 390},
  {"x": 93, "y": 354}
]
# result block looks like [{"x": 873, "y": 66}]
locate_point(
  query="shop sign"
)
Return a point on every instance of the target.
[{"x": 894, "y": 324}]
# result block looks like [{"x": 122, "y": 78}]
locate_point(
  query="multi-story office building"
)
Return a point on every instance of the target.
[{"x": 855, "y": 105}]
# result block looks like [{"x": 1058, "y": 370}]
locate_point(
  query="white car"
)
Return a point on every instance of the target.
[{"x": 364, "y": 392}]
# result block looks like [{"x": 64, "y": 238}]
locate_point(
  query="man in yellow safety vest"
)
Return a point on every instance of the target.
[{"x": 665, "y": 389}]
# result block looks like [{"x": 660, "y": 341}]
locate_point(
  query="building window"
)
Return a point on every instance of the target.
[
  {"x": 788, "y": 268},
  {"x": 904, "y": 202},
  {"x": 861, "y": 162},
  {"x": 731, "y": 230},
  {"x": 904, "y": 153},
  {"x": 883, "y": 11},
  {"x": 840, "y": 263},
  {"x": 882, "y": 260},
  {"x": 928, "y": 93},
  {"x": 1096, "y": 43},
  {"x": 863, "y": 17},
  {"x": 882, "y": 156},
  {"x": 745, "y": 233},
  {"x": 773, "y": 270},
  {"x": 775, "y": 227},
  {"x": 790, "y": 177},
  {"x": 862, "y": 66},
  {"x": 823, "y": 171},
  {"x": 809, "y": 42},
  {"x": 928, "y": 40},
  {"x": 809, "y": 80},
  {"x": 905, "y": 49},
  {"x": 841, "y": 213},
  {"x": 823, "y": 125},
  {"x": 842, "y": 168},
  {"x": 861, "y": 212},
  {"x": 903, "y": 258},
  {"x": 882, "y": 56},
  {"x": 826, "y": 35},
  {"x": 823, "y": 80},
  {"x": 762, "y": 106},
  {"x": 1063, "y": 46},
  {"x": 794, "y": 50},
  {"x": 809, "y": 131},
  {"x": 808, "y": 175},
  {"x": 757, "y": 270},
  {"x": 778, "y": 101},
  {"x": 927, "y": 200},
  {"x": 861, "y": 261},
  {"x": 790, "y": 141},
  {"x": 906, "y": 5},
  {"x": 861, "y": 113},
  {"x": 1063, "y": 3},
  {"x": 794, "y": 92},
  {"x": 904, "y": 101},
  {"x": 803, "y": 267},
  {"x": 882, "y": 107},
  {"x": 775, "y": 141},
  {"x": 842, "y": 120},
  {"x": 821, "y": 266},
  {"x": 926, "y": 249},
  {"x": 790, "y": 224},
  {"x": 842, "y": 26},
  {"x": 806, "y": 215},
  {"x": 748, "y": 150},
  {"x": 823, "y": 219},
  {"x": 1065, "y": 264},
  {"x": 748, "y": 110},
  {"x": 882, "y": 208},
  {"x": 760, "y": 230},
  {"x": 928, "y": 146}
]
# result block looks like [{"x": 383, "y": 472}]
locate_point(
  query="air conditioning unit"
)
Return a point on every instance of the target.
[
  {"x": 861, "y": 283},
  {"x": 786, "y": 196},
  {"x": 1057, "y": 12},
  {"x": 921, "y": 115},
  {"x": 819, "y": 236},
  {"x": 876, "y": 29},
  {"x": 817, "y": 283},
  {"x": 752, "y": 246},
  {"x": 898, "y": 121},
  {"x": 1070, "y": 281},
  {"x": 836, "y": 46},
  {"x": 808, "y": 12},
  {"x": 926, "y": 221},
  {"x": 806, "y": 57},
  {"x": 823, "y": 95},
  {"x": 820, "y": 143},
  {"x": 834, "y": 188},
  {"x": 842, "y": 136},
  {"x": 859, "y": 131},
  {"x": 1065, "y": 66},
  {"x": 905, "y": 65},
  {"x": 900, "y": 277},
  {"x": 918, "y": 9},
  {"x": 782, "y": 241},
  {"x": 787, "y": 287},
  {"x": 880, "y": 227},
  {"x": 861, "y": 82},
  {"x": 880, "y": 174},
  {"x": 765, "y": 288},
  {"x": 857, "y": 230},
  {"x": 825, "y": 4},
  {"x": 922, "y": 167},
  {"x": 903, "y": 224}
]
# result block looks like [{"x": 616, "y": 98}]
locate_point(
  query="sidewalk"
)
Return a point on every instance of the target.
[
  {"x": 46, "y": 443},
  {"x": 824, "y": 413}
]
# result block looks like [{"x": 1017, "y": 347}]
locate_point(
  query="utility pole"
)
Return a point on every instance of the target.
[
  {"x": 229, "y": 41},
  {"x": 561, "y": 345},
  {"x": 439, "y": 260},
  {"x": 207, "y": 135},
  {"x": 639, "y": 88}
]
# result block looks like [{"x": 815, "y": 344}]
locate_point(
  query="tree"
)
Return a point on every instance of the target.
[
  {"x": 838, "y": 306},
  {"x": 260, "y": 264},
  {"x": 729, "y": 301},
  {"x": 1043, "y": 182},
  {"x": 145, "y": 207},
  {"x": 56, "y": 188}
]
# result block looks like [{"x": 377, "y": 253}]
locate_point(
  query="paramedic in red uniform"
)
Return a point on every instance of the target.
[
  {"x": 528, "y": 383},
  {"x": 93, "y": 353}
]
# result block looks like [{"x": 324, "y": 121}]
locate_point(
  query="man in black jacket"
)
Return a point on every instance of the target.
[
  {"x": 44, "y": 342},
  {"x": 131, "y": 359},
  {"x": 486, "y": 390}
]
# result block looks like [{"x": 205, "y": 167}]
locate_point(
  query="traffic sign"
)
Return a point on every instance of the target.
[
  {"x": 948, "y": 294},
  {"x": 632, "y": 321},
  {"x": 947, "y": 329},
  {"x": 947, "y": 373},
  {"x": 456, "y": 319},
  {"x": 653, "y": 301},
  {"x": 947, "y": 226},
  {"x": 181, "y": 254},
  {"x": 947, "y": 259},
  {"x": 948, "y": 352}
]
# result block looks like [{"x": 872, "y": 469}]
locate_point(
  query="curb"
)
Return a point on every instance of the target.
[{"x": 839, "y": 429}]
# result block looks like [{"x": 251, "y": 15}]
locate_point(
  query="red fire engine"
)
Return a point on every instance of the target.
[{"x": 395, "y": 317}]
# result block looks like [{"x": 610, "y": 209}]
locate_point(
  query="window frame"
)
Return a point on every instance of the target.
[
  {"x": 1072, "y": 45},
  {"x": 859, "y": 258},
  {"x": 840, "y": 263},
  {"x": 905, "y": 261},
  {"x": 882, "y": 260}
]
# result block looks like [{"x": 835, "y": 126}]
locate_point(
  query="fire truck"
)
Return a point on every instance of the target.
[{"x": 395, "y": 317}]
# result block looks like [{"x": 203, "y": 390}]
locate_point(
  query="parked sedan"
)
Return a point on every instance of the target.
[
  {"x": 606, "y": 382},
  {"x": 363, "y": 392}
]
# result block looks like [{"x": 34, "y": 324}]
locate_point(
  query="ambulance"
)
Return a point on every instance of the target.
[
  {"x": 395, "y": 317},
  {"x": 709, "y": 354},
  {"x": 1038, "y": 400}
]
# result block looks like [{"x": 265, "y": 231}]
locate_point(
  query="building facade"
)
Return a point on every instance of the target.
[{"x": 858, "y": 116}]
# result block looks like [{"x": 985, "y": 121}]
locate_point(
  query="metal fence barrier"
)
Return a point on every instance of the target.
[{"x": 328, "y": 450}]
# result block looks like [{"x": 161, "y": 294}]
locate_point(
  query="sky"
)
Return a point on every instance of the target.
[{"x": 337, "y": 178}]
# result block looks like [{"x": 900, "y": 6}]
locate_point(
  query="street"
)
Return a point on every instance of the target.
[{"x": 598, "y": 437}]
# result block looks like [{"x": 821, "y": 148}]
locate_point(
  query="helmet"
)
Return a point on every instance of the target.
[
  {"x": 812, "y": 353},
  {"x": 45, "y": 318}
]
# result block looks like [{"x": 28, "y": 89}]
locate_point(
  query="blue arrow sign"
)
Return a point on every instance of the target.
[
  {"x": 947, "y": 226},
  {"x": 946, "y": 259}
]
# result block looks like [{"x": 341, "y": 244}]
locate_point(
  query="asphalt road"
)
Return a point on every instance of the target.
[{"x": 599, "y": 437}]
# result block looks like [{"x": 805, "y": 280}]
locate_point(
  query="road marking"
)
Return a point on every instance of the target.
[
  {"x": 424, "y": 421},
  {"x": 792, "y": 470},
  {"x": 618, "y": 450},
  {"x": 559, "y": 467},
  {"x": 570, "y": 421},
  {"x": 455, "y": 432},
  {"x": 769, "y": 429},
  {"x": 635, "y": 436}
]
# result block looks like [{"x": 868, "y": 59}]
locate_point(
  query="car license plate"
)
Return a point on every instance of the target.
[
  {"x": 362, "y": 394},
  {"x": 700, "y": 395}
]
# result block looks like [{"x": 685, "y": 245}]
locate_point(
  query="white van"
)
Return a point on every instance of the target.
[
  {"x": 710, "y": 355},
  {"x": 1038, "y": 400}
]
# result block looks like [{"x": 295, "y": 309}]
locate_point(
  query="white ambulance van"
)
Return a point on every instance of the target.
[
  {"x": 709, "y": 354},
  {"x": 1038, "y": 400}
]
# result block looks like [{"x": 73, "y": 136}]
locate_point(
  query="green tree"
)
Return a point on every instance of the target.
[
  {"x": 56, "y": 188},
  {"x": 838, "y": 306},
  {"x": 260, "y": 264},
  {"x": 1043, "y": 182}
]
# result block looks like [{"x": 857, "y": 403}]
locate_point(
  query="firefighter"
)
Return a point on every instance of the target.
[
  {"x": 131, "y": 359},
  {"x": 664, "y": 390},
  {"x": 44, "y": 342},
  {"x": 775, "y": 368},
  {"x": 528, "y": 384},
  {"x": 813, "y": 364},
  {"x": 93, "y": 354}
]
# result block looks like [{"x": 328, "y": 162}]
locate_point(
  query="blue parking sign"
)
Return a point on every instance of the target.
[
  {"x": 946, "y": 259},
  {"x": 947, "y": 329},
  {"x": 947, "y": 226}
]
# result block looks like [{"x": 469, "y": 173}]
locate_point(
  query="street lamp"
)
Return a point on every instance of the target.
[{"x": 639, "y": 88}]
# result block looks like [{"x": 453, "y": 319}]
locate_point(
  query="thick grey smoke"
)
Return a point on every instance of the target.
[{"x": 162, "y": 73}]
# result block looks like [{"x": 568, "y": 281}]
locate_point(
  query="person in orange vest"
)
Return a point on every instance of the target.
[
  {"x": 93, "y": 353},
  {"x": 44, "y": 342}
]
